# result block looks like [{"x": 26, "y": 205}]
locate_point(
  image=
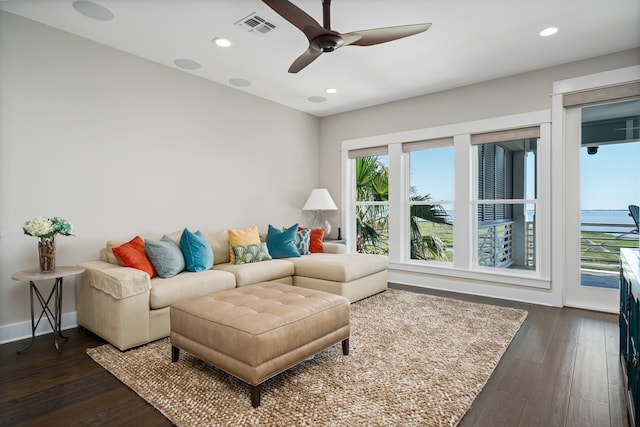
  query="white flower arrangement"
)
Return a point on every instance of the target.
[{"x": 46, "y": 228}]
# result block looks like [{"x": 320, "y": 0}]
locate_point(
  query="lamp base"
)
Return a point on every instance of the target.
[
  {"x": 327, "y": 228},
  {"x": 320, "y": 222}
]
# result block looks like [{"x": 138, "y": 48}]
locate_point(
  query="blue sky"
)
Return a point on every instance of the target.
[
  {"x": 611, "y": 177},
  {"x": 432, "y": 173}
]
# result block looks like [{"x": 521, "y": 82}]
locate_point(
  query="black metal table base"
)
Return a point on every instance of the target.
[{"x": 54, "y": 317}]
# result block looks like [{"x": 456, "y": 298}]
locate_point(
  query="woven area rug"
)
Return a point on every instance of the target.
[{"x": 415, "y": 359}]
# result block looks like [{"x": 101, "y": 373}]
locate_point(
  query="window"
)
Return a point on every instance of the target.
[
  {"x": 430, "y": 199},
  {"x": 459, "y": 206},
  {"x": 506, "y": 198},
  {"x": 371, "y": 181}
]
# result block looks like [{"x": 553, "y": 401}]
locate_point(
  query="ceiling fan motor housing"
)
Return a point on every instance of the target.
[{"x": 327, "y": 42}]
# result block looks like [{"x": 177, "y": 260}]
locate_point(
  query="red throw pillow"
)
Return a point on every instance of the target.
[
  {"x": 315, "y": 240},
  {"x": 131, "y": 254}
]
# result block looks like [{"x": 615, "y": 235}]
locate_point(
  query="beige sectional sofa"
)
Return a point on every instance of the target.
[{"x": 127, "y": 308}]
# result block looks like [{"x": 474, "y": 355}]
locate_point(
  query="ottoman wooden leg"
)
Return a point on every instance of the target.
[
  {"x": 345, "y": 347},
  {"x": 175, "y": 354},
  {"x": 255, "y": 395}
]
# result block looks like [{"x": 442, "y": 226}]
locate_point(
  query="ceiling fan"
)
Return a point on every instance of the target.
[{"x": 323, "y": 39}]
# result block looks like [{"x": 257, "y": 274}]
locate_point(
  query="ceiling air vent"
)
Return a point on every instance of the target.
[{"x": 256, "y": 24}]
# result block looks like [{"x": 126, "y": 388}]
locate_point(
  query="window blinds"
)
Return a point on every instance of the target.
[
  {"x": 427, "y": 144},
  {"x": 602, "y": 94},
  {"x": 369, "y": 151},
  {"x": 505, "y": 135}
]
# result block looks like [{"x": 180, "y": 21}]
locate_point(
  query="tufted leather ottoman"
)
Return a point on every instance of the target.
[{"x": 257, "y": 331}]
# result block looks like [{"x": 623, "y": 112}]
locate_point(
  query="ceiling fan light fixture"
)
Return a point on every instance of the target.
[
  {"x": 548, "y": 31},
  {"x": 331, "y": 90},
  {"x": 222, "y": 42},
  {"x": 327, "y": 42}
]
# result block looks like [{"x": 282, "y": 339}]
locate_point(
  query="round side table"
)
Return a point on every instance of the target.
[{"x": 53, "y": 314}]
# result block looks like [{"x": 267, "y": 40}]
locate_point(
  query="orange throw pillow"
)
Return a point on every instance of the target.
[
  {"x": 315, "y": 240},
  {"x": 131, "y": 254}
]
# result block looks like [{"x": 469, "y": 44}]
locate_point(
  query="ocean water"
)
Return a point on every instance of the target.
[
  {"x": 598, "y": 216},
  {"x": 606, "y": 217}
]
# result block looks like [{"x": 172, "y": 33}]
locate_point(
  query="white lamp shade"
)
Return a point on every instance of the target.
[{"x": 319, "y": 200}]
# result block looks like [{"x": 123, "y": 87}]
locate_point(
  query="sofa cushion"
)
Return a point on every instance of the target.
[
  {"x": 247, "y": 274},
  {"x": 339, "y": 267},
  {"x": 197, "y": 252},
  {"x": 165, "y": 256},
  {"x": 219, "y": 241},
  {"x": 250, "y": 253},
  {"x": 131, "y": 254},
  {"x": 165, "y": 292},
  {"x": 248, "y": 236}
]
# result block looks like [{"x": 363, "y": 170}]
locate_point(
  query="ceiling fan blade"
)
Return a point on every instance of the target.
[
  {"x": 298, "y": 17},
  {"x": 305, "y": 59},
  {"x": 382, "y": 35}
]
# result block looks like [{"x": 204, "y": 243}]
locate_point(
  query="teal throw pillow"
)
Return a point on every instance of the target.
[
  {"x": 282, "y": 244},
  {"x": 198, "y": 255},
  {"x": 250, "y": 253},
  {"x": 165, "y": 256},
  {"x": 303, "y": 239}
]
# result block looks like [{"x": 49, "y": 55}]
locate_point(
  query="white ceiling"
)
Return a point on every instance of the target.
[{"x": 470, "y": 41}]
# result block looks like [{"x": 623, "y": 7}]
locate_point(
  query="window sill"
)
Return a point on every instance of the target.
[{"x": 531, "y": 279}]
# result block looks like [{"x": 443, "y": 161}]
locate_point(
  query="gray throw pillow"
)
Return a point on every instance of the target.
[{"x": 165, "y": 256}]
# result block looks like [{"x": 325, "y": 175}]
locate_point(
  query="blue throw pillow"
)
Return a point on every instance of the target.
[
  {"x": 165, "y": 256},
  {"x": 198, "y": 255},
  {"x": 282, "y": 244}
]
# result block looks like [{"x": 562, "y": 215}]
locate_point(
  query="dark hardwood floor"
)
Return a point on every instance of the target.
[{"x": 561, "y": 369}]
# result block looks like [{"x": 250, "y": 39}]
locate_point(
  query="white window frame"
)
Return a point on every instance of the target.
[
  {"x": 438, "y": 143},
  {"x": 462, "y": 276}
]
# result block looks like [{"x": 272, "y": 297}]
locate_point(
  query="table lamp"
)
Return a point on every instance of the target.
[{"x": 320, "y": 200}]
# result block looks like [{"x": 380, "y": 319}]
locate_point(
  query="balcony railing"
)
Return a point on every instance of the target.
[
  {"x": 495, "y": 244},
  {"x": 600, "y": 250}
]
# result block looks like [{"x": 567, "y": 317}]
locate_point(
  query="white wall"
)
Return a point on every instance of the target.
[{"x": 122, "y": 146}]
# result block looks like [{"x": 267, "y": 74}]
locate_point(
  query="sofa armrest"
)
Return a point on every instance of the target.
[
  {"x": 119, "y": 282},
  {"x": 113, "y": 302},
  {"x": 334, "y": 248}
]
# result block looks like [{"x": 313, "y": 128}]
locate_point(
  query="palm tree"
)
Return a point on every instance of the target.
[
  {"x": 372, "y": 185},
  {"x": 429, "y": 246}
]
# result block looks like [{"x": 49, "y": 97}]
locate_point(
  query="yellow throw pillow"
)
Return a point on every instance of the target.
[{"x": 246, "y": 237}]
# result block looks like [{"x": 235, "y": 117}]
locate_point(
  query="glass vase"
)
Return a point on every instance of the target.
[{"x": 47, "y": 254}]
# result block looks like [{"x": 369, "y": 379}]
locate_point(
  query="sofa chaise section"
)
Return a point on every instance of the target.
[{"x": 354, "y": 276}]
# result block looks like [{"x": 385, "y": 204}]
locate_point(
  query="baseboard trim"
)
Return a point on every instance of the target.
[{"x": 19, "y": 331}]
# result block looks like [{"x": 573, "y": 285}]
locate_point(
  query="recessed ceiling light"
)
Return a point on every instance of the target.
[
  {"x": 330, "y": 90},
  {"x": 187, "y": 64},
  {"x": 317, "y": 99},
  {"x": 222, "y": 42},
  {"x": 239, "y": 82},
  {"x": 548, "y": 32},
  {"x": 93, "y": 10}
]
